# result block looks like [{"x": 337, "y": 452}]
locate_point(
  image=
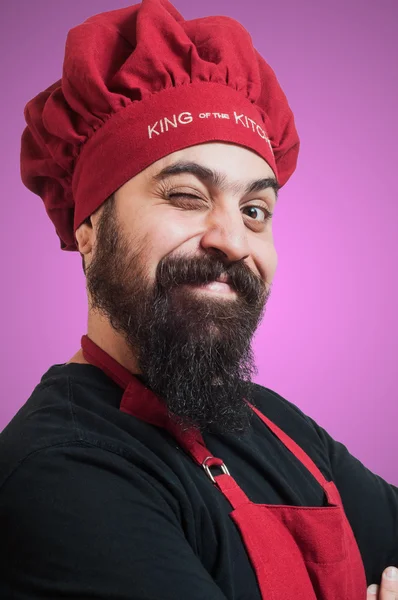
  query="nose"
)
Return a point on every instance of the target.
[{"x": 226, "y": 233}]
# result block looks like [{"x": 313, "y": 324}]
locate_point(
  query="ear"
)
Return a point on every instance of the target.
[{"x": 85, "y": 236}]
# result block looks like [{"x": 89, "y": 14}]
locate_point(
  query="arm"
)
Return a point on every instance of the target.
[
  {"x": 371, "y": 505},
  {"x": 78, "y": 521}
]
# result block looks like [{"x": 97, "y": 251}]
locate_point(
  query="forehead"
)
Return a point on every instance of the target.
[{"x": 235, "y": 162}]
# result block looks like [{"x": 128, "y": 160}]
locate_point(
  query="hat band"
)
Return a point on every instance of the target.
[{"x": 170, "y": 120}]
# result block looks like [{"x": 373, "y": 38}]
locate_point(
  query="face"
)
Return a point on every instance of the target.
[{"x": 199, "y": 215}]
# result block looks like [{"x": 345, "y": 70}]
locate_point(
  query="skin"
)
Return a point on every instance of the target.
[
  {"x": 222, "y": 227},
  {"x": 388, "y": 588},
  {"x": 148, "y": 256}
]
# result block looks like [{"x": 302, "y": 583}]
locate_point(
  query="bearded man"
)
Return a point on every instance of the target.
[{"x": 149, "y": 465}]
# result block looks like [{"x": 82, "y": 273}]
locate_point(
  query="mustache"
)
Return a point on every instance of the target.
[{"x": 172, "y": 272}]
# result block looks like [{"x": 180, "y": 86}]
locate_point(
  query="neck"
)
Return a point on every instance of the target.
[{"x": 100, "y": 331}]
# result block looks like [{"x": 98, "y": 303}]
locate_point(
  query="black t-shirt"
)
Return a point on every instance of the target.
[{"x": 95, "y": 503}]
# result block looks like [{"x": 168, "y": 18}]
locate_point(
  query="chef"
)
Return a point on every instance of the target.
[{"x": 149, "y": 465}]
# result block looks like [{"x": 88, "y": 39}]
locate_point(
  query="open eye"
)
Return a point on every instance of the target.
[{"x": 258, "y": 210}]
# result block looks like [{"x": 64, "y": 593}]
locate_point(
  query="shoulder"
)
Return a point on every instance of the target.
[
  {"x": 284, "y": 413},
  {"x": 67, "y": 407},
  {"x": 296, "y": 424},
  {"x": 43, "y": 420},
  {"x": 71, "y": 427}
]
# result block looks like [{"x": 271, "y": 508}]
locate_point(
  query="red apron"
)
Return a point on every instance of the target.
[{"x": 305, "y": 553}]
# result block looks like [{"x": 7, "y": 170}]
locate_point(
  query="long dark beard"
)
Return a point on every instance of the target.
[{"x": 193, "y": 349}]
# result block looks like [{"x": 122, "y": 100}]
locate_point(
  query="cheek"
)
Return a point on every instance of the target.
[
  {"x": 173, "y": 231},
  {"x": 265, "y": 258},
  {"x": 164, "y": 235},
  {"x": 274, "y": 264}
]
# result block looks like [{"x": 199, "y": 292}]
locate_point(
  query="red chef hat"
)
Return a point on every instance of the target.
[{"x": 140, "y": 83}]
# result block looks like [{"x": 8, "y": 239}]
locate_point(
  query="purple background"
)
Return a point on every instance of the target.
[{"x": 328, "y": 342}]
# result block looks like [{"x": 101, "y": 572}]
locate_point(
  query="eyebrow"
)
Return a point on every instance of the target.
[{"x": 216, "y": 178}]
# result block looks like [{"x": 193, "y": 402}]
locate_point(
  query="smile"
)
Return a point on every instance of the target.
[{"x": 218, "y": 287}]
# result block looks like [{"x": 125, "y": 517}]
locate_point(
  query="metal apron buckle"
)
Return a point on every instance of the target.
[{"x": 207, "y": 469}]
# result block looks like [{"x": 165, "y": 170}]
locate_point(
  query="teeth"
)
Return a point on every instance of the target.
[{"x": 217, "y": 286}]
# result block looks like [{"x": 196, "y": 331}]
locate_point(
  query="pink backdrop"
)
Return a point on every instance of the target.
[{"x": 329, "y": 339}]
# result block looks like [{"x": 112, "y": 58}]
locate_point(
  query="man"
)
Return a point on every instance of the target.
[{"x": 149, "y": 465}]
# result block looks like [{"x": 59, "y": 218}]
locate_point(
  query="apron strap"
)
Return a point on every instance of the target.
[
  {"x": 97, "y": 357},
  {"x": 142, "y": 403},
  {"x": 293, "y": 447}
]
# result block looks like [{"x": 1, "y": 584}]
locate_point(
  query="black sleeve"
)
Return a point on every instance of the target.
[
  {"x": 78, "y": 521},
  {"x": 371, "y": 506}
]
